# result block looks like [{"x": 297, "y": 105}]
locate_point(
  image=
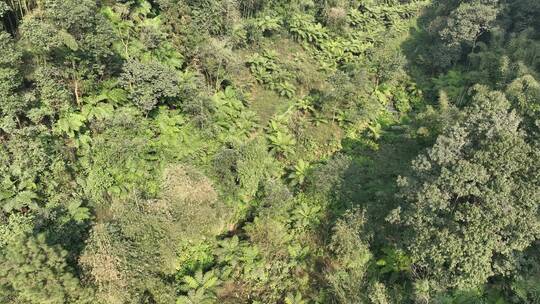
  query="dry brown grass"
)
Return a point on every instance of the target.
[
  {"x": 101, "y": 267},
  {"x": 192, "y": 202},
  {"x": 336, "y": 16}
]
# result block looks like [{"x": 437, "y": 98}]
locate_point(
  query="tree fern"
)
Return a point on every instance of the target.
[
  {"x": 527, "y": 289},
  {"x": 200, "y": 288},
  {"x": 70, "y": 124}
]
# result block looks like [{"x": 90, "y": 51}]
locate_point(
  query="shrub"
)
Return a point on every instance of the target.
[{"x": 149, "y": 83}]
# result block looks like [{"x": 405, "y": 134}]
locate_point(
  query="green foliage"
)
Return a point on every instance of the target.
[
  {"x": 279, "y": 136},
  {"x": 254, "y": 166},
  {"x": 175, "y": 137},
  {"x": 194, "y": 256},
  {"x": 456, "y": 189},
  {"x": 199, "y": 288},
  {"x": 303, "y": 27},
  {"x": 268, "y": 24},
  {"x": 527, "y": 289},
  {"x": 268, "y": 71},
  {"x": 232, "y": 118},
  {"x": 351, "y": 256},
  {"x": 20, "y": 200},
  {"x": 141, "y": 35},
  {"x": 134, "y": 167},
  {"x": 34, "y": 272},
  {"x": 306, "y": 214},
  {"x": 14, "y": 227},
  {"x": 70, "y": 124},
  {"x": 281, "y": 142},
  {"x": 10, "y": 80},
  {"x": 144, "y": 231},
  {"x": 524, "y": 93},
  {"x": 294, "y": 299},
  {"x": 344, "y": 50},
  {"x": 394, "y": 261},
  {"x": 149, "y": 83},
  {"x": 25, "y": 163},
  {"x": 451, "y": 83},
  {"x": 70, "y": 35},
  {"x": 276, "y": 262},
  {"x": 298, "y": 173},
  {"x": 216, "y": 17},
  {"x": 119, "y": 159},
  {"x": 467, "y": 22},
  {"x": 246, "y": 167}
]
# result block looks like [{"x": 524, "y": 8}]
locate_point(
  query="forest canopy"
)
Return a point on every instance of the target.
[{"x": 269, "y": 151}]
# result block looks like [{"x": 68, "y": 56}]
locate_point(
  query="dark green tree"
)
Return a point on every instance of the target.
[
  {"x": 149, "y": 83},
  {"x": 11, "y": 105},
  {"x": 472, "y": 200},
  {"x": 466, "y": 23},
  {"x": 32, "y": 271},
  {"x": 71, "y": 41}
]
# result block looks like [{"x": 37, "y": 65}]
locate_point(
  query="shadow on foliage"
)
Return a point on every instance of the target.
[{"x": 364, "y": 176}]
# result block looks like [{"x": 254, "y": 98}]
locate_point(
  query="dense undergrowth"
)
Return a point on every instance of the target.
[{"x": 249, "y": 151}]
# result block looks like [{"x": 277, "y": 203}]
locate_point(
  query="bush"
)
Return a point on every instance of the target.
[{"x": 149, "y": 83}]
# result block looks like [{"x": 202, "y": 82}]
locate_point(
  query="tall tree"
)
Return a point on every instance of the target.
[
  {"x": 31, "y": 271},
  {"x": 68, "y": 41},
  {"x": 11, "y": 104},
  {"x": 472, "y": 200}
]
